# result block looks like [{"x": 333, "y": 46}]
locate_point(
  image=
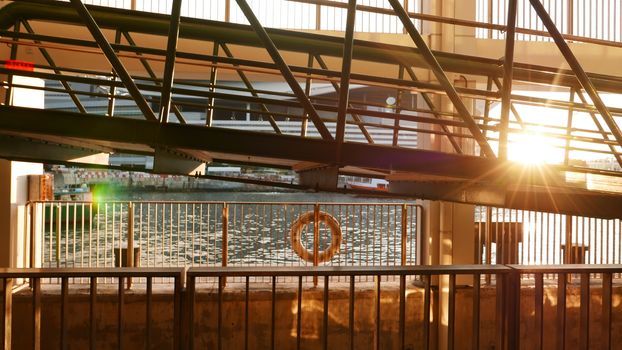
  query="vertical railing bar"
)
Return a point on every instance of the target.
[
  {"x": 606, "y": 311},
  {"x": 273, "y": 315},
  {"x": 148, "y": 312},
  {"x": 7, "y": 309},
  {"x": 351, "y": 313},
  {"x": 539, "y": 312},
  {"x": 219, "y": 326},
  {"x": 426, "y": 312},
  {"x": 120, "y": 314},
  {"x": 177, "y": 313},
  {"x": 64, "y": 312},
  {"x": 92, "y": 308},
  {"x": 452, "y": 311},
  {"x": 402, "y": 314},
  {"x": 584, "y": 337},
  {"x": 561, "y": 311},
  {"x": 316, "y": 238},
  {"x": 500, "y": 312},
  {"x": 58, "y": 233},
  {"x": 246, "y": 312},
  {"x": 190, "y": 310},
  {"x": 476, "y": 310},
  {"x": 299, "y": 313},
  {"x": 325, "y": 316},
  {"x": 36, "y": 313},
  {"x": 225, "y": 237}
]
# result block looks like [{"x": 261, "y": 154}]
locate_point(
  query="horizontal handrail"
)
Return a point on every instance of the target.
[
  {"x": 91, "y": 272},
  {"x": 348, "y": 271}
]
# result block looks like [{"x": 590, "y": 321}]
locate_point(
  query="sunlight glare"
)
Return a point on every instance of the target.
[{"x": 532, "y": 148}]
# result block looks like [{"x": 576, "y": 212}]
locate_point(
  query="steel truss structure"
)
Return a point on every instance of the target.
[{"x": 474, "y": 168}]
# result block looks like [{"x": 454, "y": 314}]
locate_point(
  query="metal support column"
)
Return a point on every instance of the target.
[
  {"x": 169, "y": 65},
  {"x": 346, "y": 68},
  {"x": 436, "y": 68},
  {"x": 284, "y": 68},
  {"x": 112, "y": 58},
  {"x": 506, "y": 90}
]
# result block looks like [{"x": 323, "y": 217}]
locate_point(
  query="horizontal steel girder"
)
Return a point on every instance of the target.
[{"x": 285, "y": 40}]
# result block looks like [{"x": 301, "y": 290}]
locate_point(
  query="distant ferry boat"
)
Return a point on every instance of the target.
[{"x": 369, "y": 185}]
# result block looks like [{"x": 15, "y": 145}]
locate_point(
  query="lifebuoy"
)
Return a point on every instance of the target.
[{"x": 296, "y": 233}]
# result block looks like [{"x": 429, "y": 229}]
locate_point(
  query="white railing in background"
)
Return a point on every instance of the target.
[
  {"x": 597, "y": 19},
  {"x": 281, "y": 14},
  {"x": 179, "y": 234}
]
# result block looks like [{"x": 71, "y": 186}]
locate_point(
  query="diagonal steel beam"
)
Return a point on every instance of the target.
[
  {"x": 251, "y": 89},
  {"x": 46, "y": 55},
  {"x": 169, "y": 64},
  {"x": 355, "y": 116},
  {"x": 398, "y": 103},
  {"x": 442, "y": 79},
  {"x": 113, "y": 87},
  {"x": 346, "y": 68},
  {"x": 284, "y": 68},
  {"x": 152, "y": 74},
  {"x": 8, "y": 98},
  {"x": 598, "y": 125},
  {"x": 114, "y": 60},
  {"x": 428, "y": 101},
  {"x": 213, "y": 77},
  {"x": 506, "y": 89},
  {"x": 517, "y": 116},
  {"x": 576, "y": 67},
  {"x": 305, "y": 116}
]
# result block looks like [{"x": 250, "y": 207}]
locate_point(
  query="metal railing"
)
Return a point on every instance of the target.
[
  {"x": 283, "y": 14},
  {"x": 597, "y": 19},
  {"x": 512, "y": 313},
  {"x": 398, "y": 318},
  {"x": 61, "y": 328},
  {"x": 508, "y": 236},
  {"x": 166, "y": 234}
]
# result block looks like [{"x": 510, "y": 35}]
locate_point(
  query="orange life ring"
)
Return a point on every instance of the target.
[{"x": 296, "y": 233}]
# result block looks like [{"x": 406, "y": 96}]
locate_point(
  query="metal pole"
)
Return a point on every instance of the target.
[
  {"x": 346, "y": 68},
  {"x": 569, "y": 130},
  {"x": 126, "y": 78},
  {"x": 130, "y": 240},
  {"x": 113, "y": 88},
  {"x": 576, "y": 67},
  {"x": 8, "y": 99},
  {"x": 442, "y": 79},
  {"x": 506, "y": 90},
  {"x": 285, "y": 71},
  {"x": 305, "y": 115},
  {"x": 169, "y": 65},
  {"x": 316, "y": 238},
  {"x": 398, "y": 102},
  {"x": 225, "y": 238},
  {"x": 209, "y": 118}
]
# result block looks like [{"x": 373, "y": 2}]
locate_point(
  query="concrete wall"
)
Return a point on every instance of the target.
[{"x": 286, "y": 311}]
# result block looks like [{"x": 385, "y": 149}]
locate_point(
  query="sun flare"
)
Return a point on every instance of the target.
[{"x": 532, "y": 148}]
